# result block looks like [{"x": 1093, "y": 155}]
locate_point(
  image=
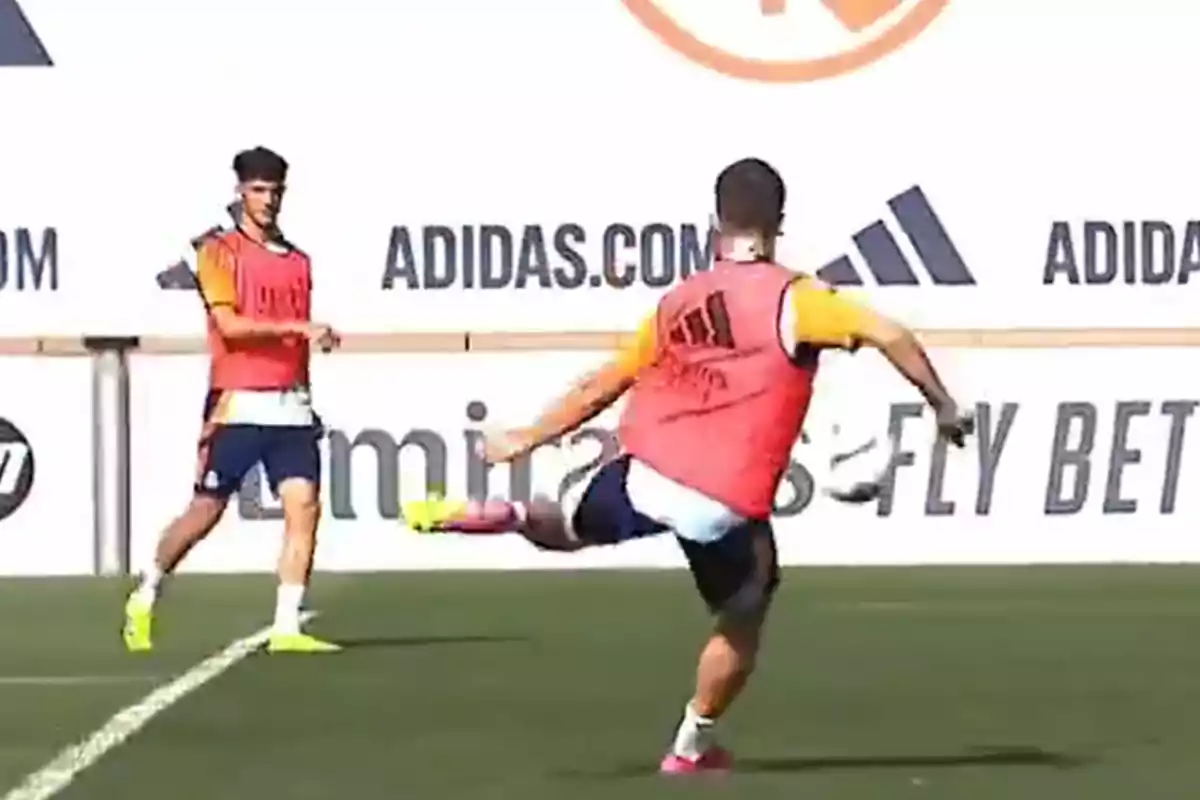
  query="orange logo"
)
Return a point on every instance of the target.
[{"x": 854, "y": 16}]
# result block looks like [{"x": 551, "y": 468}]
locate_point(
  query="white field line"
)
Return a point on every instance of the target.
[
  {"x": 58, "y": 773},
  {"x": 74, "y": 680}
]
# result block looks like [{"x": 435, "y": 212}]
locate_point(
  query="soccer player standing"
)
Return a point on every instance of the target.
[
  {"x": 257, "y": 292},
  {"x": 719, "y": 380}
]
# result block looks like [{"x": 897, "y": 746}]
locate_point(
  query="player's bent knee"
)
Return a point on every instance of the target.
[
  {"x": 751, "y": 602},
  {"x": 546, "y": 527},
  {"x": 743, "y": 613},
  {"x": 301, "y": 502},
  {"x": 302, "y": 510},
  {"x": 206, "y": 509},
  {"x": 746, "y": 609},
  {"x": 297, "y": 491},
  {"x": 552, "y": 545},
  {"x": 773, "y": 581}
]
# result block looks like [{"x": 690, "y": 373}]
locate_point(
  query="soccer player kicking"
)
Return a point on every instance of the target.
[
  {"x": 720, "y": 378},
  {"x": 257, "y": 292}
]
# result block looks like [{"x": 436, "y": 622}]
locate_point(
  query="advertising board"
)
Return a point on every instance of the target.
[
  {"x": 559, "y": 176},
  {"x": 46, "y": 467},
  {"x": 1081, "y": 456}
]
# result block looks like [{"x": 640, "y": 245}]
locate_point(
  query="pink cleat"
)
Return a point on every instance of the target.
[{"x": 714, "y": 759}]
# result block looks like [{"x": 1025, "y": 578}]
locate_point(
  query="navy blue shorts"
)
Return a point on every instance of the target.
[
  {"x": 228, "y": 452},
  {"x": 723, "y": 570}
]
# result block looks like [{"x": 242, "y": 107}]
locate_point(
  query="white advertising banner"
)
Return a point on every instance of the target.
[
  {"x": 1081, "y": 456},
  {"x": 46, "y": 442},
  {"x": 976, "y": 164}
]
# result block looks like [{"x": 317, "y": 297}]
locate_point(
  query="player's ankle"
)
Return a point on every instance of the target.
[
  {"x": 149, "y": 583},
  {"x": 145, "y": 595},
  {"x": 152, "y": 575},
  {"x": 694, "y": 734},
  {"x": 287, "y": 622},
  {"x": 288, "y": 599},
  {"x": 703, "y": 708}
]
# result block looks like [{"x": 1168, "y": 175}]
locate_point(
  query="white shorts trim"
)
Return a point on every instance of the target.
[
  {"x": 689, "y": 513},
  {"x": 270, "y": 407}
]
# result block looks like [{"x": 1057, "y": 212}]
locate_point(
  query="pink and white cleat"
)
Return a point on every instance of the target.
[{"x": 714, "y": 759}]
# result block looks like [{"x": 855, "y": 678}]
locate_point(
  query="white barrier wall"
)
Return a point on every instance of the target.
[
  {"x": 536, "y": 165},
  {"x": 46, "y": 466},
  {"x": 1082, "y": 456},
  {"x": 987, "y": 163}
]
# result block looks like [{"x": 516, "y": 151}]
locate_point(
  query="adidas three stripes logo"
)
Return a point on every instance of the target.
[
  {"x": 19, "y": 42},
  {"x": 939, "y": 258}
]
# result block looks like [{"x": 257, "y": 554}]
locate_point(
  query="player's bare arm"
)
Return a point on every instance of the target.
[
  {"x": 215, "y": 277},
  {"x": 589, "y": 397},
  {"x": 824, "y": 318},
  {"x": 234, "y": 326},
  {"x": 906, "y": 353}
]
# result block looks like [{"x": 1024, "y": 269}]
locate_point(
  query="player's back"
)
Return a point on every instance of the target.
[{"x": 723, "y": 402}]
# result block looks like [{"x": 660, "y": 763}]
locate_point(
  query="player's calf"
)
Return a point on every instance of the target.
[
  {"x": 180, "y": 536},
  {"x": 196, "y": 522},
  {"x": 726, "y": 663},
  {"x": 301, "y": 511}
]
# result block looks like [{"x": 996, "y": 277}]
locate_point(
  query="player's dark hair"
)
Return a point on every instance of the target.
[
  {"x": 750, "y": 196},
  {"x": 260, "y": 164}
]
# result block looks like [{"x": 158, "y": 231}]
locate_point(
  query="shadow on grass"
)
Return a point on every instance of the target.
[
  {"x": 1033, "y": 757},
  {"x": 384, "y": 642}
]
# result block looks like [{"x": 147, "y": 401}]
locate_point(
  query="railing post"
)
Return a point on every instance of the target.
[{"x": 110, "y": 452}]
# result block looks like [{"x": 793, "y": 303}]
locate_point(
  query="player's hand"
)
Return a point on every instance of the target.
[
  {"x": 498, "y": 447},
  {"x": 953, "y": 425},
  {"x": 323, "y": 336}
]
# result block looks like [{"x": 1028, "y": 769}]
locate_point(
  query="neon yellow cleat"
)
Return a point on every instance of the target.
[
  {"x": 299, "y": 643},
  {"x": 428, "y": 515},
  {"x": 139, "y": 619}
]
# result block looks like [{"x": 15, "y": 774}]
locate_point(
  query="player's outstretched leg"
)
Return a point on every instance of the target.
[
  {"x": 542, "y": 521},
  {"x": 301, "y": 512},
  {"x": 196, "y": 522},
  {"x": 737, "y": 576}
]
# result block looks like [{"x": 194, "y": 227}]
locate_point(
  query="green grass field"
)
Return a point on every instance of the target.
[{"x": 925, "y": 683}]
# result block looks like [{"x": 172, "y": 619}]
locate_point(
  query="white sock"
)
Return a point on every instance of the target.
[
  {"x": 147, "y": 590},
  {"x": 694, "y": 735},
  {"x": 287, "y": 608}
]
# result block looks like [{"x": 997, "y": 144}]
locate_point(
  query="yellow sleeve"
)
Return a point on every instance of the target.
[
  {"x": 824, "y": 318},
  {"x": 215, "y": 274},
  {"x": 640, "y": 351}
]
